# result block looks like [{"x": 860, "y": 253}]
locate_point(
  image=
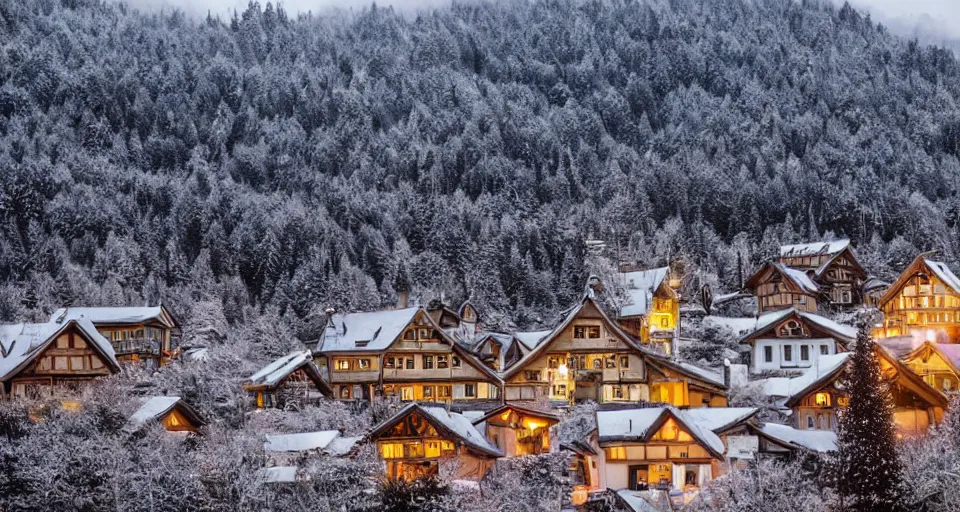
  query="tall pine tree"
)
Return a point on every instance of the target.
[{"x": 869, "y": 472}]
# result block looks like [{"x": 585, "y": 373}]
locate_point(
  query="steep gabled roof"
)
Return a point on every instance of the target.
[
  {"x": 20, "y": 344},
  {"x": 720, "y": 419},
  {"x": 799, "y": 278},
  {"x": 450, "y": 425},
  {"x": 300, "y": 442},
  {"x": 824, "y": 370},
  {"x": 640, "y": 287},
  {"x": 156, "y": 408},
  {"x": 274, "y": 373},
  {"x": 553, "y": 418},
  {"x": 813, "y": 248},
  {"x": 118, "y": 315},
  {"x": 914, "y": 382},
  {"x": 820, "y": 441},
  {"x": 770, "y": 320},
  {"x": 640, "y": 425},
  {"x": 938, "y": 268},
  {"x": 949, "y": 352},
  {"x": 829, "y": 261},
  {"x": 376, "y": 331}
]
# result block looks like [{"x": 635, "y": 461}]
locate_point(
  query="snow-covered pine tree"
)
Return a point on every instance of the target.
[{"x": 868, "y": 477}]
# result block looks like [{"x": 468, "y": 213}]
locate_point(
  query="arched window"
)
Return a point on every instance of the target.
[
  {"x": 791, "y": 328},
  {"x": 810, "y": 424}
]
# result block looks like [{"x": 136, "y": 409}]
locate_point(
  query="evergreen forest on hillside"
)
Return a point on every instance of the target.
[{"x": 280, "y": 164}]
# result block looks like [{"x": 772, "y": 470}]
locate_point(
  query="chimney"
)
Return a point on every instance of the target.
[
  {"x": 726, "y": 373},
  {"x": 403, "y": 299}
]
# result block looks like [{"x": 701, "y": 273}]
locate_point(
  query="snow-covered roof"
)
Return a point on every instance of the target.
[
  {"x": 745, "y": 327},
  {"x": 640, "y": 287},
  {"x": 152, "y": 410},
  {"x": 873, "y": 284},
  {"x": 113, "y": 315},
  {"x": 646, "y": 501},
  {"x": 21, "y": 343},
  {"x": 300, "y": 442},
  {"x": 814, "y": 248},
  {"x": 367, "y": 331},
  {"x": 814, "y": 440},
  {"x": 342, "y": 445},
  {"x": 197, "y": 353},
  {"x": 899, "y": 346},
  {"x": 638, "y": 424},
  {"x": 454, "y": 423},
  {"x": 800, "y": 277},
  {"x": 719, "y": 418},
  {"x": 273, "y": 373},
  {"x": 823, "y": 367},
  {"x": 944, "y": 273},
  {"x": 278, "y": 474},
  {"x": 531, "y": 339},
  {"x": 703, "y": 373}
]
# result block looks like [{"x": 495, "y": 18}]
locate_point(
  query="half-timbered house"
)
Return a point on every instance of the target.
[
  {"x": 587, "y": 356},
  {"x": 833, "y": 266},
  {"x": 290, "y": 380},
  {"x": 651, "y": 312},
  {"x": 146, "y": 335},
  {"x": 923, "y": 302},
  {"x": 792, "y": 340},
  {"x": 416, "y": 440},
  {"x": 403, "y": 353},
  {"x": 815, "y": 397},
  {"x": 938, "y": 364},
  {"x": 517, "y": 430},
  {"x": 777, "y": 287},
  {"x": 38, "y": 359},
  {"x": 500, "y": 351},
  {"x": 172, "y": 412}
]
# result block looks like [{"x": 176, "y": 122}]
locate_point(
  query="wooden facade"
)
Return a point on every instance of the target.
[
  {"x": 833, "y": 266},
  {"x": 924, "y": 302},
  {"x": 408, "y": 355},
  {"x": 291, "y": 381},
  {"x": 589, "y": 357},
  {"x": 667, "y": 453},
  {"x": 937, "y": 364},
  {"x": 417, "y": 440},
  {"x": 517, "y": 430},
  {"x": 171, "y": 412},
  {"x": 141, "y": 335},
  {"x": 917, "y": 405},
  {"x": 778, "y": 287},
  {"x": 38, "y": 359}
]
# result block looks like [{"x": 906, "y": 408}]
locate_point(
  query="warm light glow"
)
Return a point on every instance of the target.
[
  {"x": 562, "y": 370},
  {"x": 931, "y": 335},
  {"x": 823, "y": 399},
  {"x": 533, "y": 425}
]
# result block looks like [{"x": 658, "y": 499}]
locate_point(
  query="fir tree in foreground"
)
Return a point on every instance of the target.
[{"x": 869, "y": 472}]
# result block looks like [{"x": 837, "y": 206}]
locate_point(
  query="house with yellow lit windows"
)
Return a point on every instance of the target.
[
  {"x": 292, "y": 380},
  {"x": 924, "y": 302},
  {"x": 172, "y": 412},
  {"x": 417, "y": 440},
  {"x": 938, "y": 364},
  {"x": 140, "y": 335},
  {"x": 404, "y": 353},
  {"x": 588, "y": 356},
  {"x": 651, "y": 308},
  {"x": 517, "y": 430}
]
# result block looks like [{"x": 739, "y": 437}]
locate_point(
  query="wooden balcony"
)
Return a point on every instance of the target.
[
  {"x": 344, "y": 377},
  {"x": 141, "y": 346}
]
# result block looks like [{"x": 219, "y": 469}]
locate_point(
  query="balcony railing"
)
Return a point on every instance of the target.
[{"x": 146, "y": 346}]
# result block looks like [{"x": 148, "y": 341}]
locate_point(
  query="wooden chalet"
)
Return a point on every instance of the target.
[
  {"x": 404, "y": 353},
  {"x": 786, "y": 441},
  {"x": 417, "y": 439},
  {"x": 145, "y": 335},
  {"x": 792, "y": 340},
  {"x": 517, "y": 430},
  {"x": 938, "y": 364},
  {"x": 833, "y": 266},
  {"x": 652, "y": 309},
  {"x": 500, "y": 351},
  {"x": 777, "y": 286},
  {"x": 38, "y": 359},
  {"x": 923, "y": 302},
  {"x": 170, "y": 411},
  {"x": 583, "y": 473},
  {"x": 664, "y": 447},
  {"x": 290, "y": 380},
  {"x": 587, "y": 356},
  {"x": 815, "y": 397}
]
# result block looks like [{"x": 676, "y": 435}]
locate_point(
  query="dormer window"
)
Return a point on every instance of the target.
[
  {"x": 362, "y": 343},
  {"x": 791, "y": 328}
]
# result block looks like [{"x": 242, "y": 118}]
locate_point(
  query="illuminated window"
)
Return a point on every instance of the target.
[
  {"x": 665, "y": 321},
  {"x": 560, "y": 390},
  {"x": 616, "y": 453},
  {"x": 406, "y": 393},
  {"x": 391, "y": 450},
  {"x": 593, "y": 332},
  {"x": 363, "y": 364},
  {"x": 823, "y": 399},
  {"x": 345, "y": 392},
  {"x": 617, "y": 392},
  {"x": 443, "y": 391},
  {"x": 342, "y": 364},
  {"x": 428, "y": 392}
]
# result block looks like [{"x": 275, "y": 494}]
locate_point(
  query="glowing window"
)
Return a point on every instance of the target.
[
  {"x": 823, "y": 399},
  {"x": 616, "y": 453}
]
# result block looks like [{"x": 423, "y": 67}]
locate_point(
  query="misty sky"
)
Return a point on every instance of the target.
[{"x": 930, "y": 19}]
